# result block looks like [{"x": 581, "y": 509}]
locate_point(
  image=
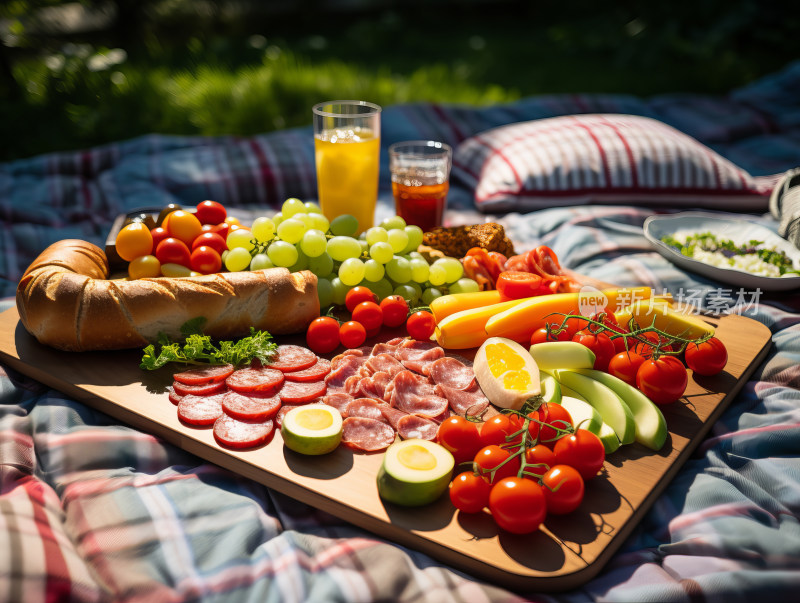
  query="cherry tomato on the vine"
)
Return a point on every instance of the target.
[
  {"x": 173, "y": 251},
  {"x": 211, "y": 212},
  {"x": 460, "y": 437},
  {"x": 134, "y": 240},
  {"x": 645, "y": 350},
  {"x": 205, "y": 260},
  {"x": 489, "y": 458},
  {"x": 358, "y": 294},
  {"x": 582, "y": 450},
  {"x": 600, "y": 344},
  {"x": 625, "y": 365},
  {"x": 662, "y": 379},
  {"x": 497, "y": 429},
  {"x": 352, "y": 334},
  {"x": 369, "y": 314},
  {"x": 707, "y": 358},
  {"x": 420, "y": 325},
  {"x": 516, "y": 284},
  {"x": 322, "y": 336},
  {"x": 546, "y": 421},
  {"x": 395, "y": 310},
  {"x": 518, "y": 505},
  {"x": 469, "y": 492},
  {"x": 541, "y": 457},
  {"x": 563, "y": 489},
  {"x": 542, "y": 335}
]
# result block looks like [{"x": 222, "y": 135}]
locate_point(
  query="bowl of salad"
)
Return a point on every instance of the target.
[{"x": 729, "y": 250}]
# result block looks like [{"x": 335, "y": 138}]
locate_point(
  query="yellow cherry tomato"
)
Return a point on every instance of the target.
[
  {"x": 184, "y": 225},
  {"x": 175, "y": 270},
  {"x": 133, "y": 241},
  {"x": 145, "y": 266}
]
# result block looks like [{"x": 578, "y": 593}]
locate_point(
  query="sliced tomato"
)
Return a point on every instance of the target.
[{"x": 515, "y": 284}]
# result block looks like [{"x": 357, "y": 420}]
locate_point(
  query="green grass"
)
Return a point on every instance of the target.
[{"x": 264, "y": 74}]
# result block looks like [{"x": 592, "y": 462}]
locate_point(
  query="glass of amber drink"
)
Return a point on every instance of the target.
[
  {"x": 347, "y": 138},
  {"x": 420, "y": 181}
]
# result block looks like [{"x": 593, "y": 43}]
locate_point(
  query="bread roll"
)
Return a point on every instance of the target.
[{"x": 66, "y": 301}]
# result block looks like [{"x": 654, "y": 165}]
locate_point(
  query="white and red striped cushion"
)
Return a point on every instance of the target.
[{"x": 615, "y": 159}]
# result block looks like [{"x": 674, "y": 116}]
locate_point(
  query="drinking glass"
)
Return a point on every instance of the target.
[
  {"x": 420, "y": 181},
  {"x": 347, "y": 147}
]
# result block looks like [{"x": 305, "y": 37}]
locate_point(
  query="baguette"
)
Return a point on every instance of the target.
[{"x": 66, "y": 301}]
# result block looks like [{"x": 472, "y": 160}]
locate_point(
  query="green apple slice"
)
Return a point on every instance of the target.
[
  {"x": 583, "y": 414},
  {"x": 609, "y": 438},
  {"x": 551, "y": 389},
  {"x": 651, "y": 427},
  {"x": 552, "y": 355},
  {"x": 610, "y": 406}
]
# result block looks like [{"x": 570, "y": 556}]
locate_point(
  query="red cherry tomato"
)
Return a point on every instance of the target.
[
  {"x": 369, "y": 314},
  {"x": 541, "y": 457},
  {"x": 581, "y": 450},
  {"x": 210, "y": 239},
  {"x": 499, "y": 428},
  {"x": 159, "y": 234},
  {"x": 173, "y": 251},
  {"x": 489, "y": 459},
  {"x": 222, "y": 229},
  {"x": 563, "y": 489},
  {"x": 518, "y": 505},
  {"x": 663, "y": 380},
  {"x": 211, "y": 212},
  {"x": 516, "y": 284},
  {"x": 707, "y": 358},
  {"x": 645, "y": 350},
  {"x": 600, "y": 344},
  {"x": 322, "y": 336},
  {"x": 460, "y": 437},
  {"x": 420, "y": 325},
  {"x": 625, "y": 365},
  {"x": 469, "y": 492},
  {"x": 358, "y": 294},
  {"x": 205, "y": 260},
  {"x": 352, "y": 334},
  {"x": 546, "y": 421},
  {"x": 395, "y": 310}
]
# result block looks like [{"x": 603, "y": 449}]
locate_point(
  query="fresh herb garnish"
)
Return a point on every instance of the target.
[{"x": 199, "y": 349}]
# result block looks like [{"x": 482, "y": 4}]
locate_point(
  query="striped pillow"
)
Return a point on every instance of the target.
[{"x": 613, "y": 159}]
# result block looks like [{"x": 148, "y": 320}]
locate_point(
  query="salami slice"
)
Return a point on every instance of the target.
[
  {"x": 366, "y": 407},
  {"x": 301, "y": 393},
  {"x": 234, "y": 433},
  {"x": 204, "y": 374},
  {"x": 250, "y": 408},
  {"x": 472, "y": 401},
  {"x": 452, "y": 373},
  {"x": 175, "y": 398},
  {"x": 339, "y": 400},
  {"x": 368, "y": 435},
  {"x": 282, "y": 413},
  {"x": 392, "y": 415},
  {"x": 200, "y": 389},
  {"x": 200, "y": 410},
  {"x": 315, "y": 372},
  {"x": 262, "y": 380},
  {"x": 292, "y": 358},
  {"x": 416, "y": 426}
]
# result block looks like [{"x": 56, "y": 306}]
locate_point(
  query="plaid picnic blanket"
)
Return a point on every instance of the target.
[{"x": 92, "y": 510}]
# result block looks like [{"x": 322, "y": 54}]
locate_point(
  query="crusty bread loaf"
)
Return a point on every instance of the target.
[{"x": 66, "y": 301}]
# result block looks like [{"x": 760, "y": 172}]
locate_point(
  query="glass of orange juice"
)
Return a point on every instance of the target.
[
  {"x": 347, "y": 139},
  {"x": 420, "y": 181}
]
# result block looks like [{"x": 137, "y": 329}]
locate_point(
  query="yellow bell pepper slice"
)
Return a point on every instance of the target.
[
  {"x": 444, "y": 306},
  {"x": 466, "y": 329},
  {"x": 664, "y": 317}
]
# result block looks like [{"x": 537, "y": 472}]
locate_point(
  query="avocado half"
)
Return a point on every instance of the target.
[{"x": 415, "y": 472}]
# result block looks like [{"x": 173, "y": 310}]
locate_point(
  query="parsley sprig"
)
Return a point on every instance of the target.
[{"x": 199, "y": 349}]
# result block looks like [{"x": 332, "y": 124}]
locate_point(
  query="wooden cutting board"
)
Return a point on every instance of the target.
[{"x": 565, "y": 553}]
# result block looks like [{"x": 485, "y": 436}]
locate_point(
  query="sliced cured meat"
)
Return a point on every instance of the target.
[
  {"x": 316, "y": 372},
  {"x": 366, "y": 407},
  {"x": 294, "y": 392},
  {"x": 452, "y": 373},
  {"x": 384, "y": 363},
  {"x": 374, "y": 386},
  {"x": 204, "y": 374},
  {"x": 278, "y": 418},
  {"x": 339, "y": 400},
  {"x": 352, "y": 383},
  {"x": 392, "y": 414},
  {"x": 431, "y": 406},
  {"x": 383, "y": 348},
  {"x": 250, "y": 408},
  {"x": 417, "y": 355},
  {"x": 234, "y": 433},
  {"x": 262, "y": 380},
  {"x": 342, "y": 370},
  {"x": 369, "y": 435},
  {"x": 292, "y": 358},
  {"x": 396, "y": 341},
  {"x": 416, "y": 426},
  {"x": 174, "y": 397},
  {"x": 415, "y": 394},
  {"x": 200, "y": 410},
  {"x": 461, "y": 402},
  {"x": 357, "y": 352},
  {"x": 200, "y": 389}
]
